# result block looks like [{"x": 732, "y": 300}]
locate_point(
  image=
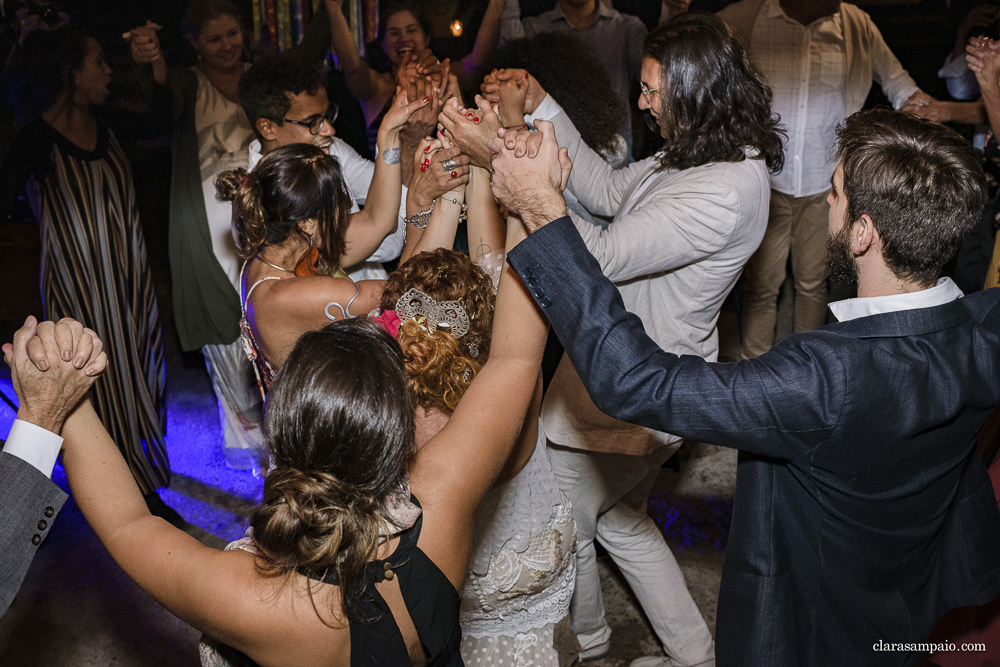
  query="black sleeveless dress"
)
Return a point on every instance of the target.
[{"x": 430, "y": 598}]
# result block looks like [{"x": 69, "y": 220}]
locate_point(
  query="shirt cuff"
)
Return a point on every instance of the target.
[
  {"x": 547, "y": 109},
  {"x": 34, "y": 445}
]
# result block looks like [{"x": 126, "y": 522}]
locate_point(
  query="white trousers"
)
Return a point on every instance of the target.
[{"x": 609, "y": 494}]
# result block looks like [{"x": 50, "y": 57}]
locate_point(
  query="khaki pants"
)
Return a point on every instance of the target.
[{"x": 796, "y": 226}]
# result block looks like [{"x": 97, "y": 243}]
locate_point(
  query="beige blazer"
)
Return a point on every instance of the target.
[{"x": 675, "y": 249}]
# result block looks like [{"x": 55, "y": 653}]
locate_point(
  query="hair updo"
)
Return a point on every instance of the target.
[
  {"x": 289, "y": 185},
  {"x": 339, "y": 428},
  {"x": 440, "y": 367}
]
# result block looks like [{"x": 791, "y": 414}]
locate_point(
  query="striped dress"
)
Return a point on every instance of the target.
[{"x": 94, "y": 270}]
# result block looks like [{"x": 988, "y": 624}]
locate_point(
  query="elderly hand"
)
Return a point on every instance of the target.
[
  {"x": 471, "y": 129},
  {"x": 983, "y": 56},
  {"x": 431, "y": 178},
  {"x": 52, "y": 367},
  {"x": 530, "y": 183}
]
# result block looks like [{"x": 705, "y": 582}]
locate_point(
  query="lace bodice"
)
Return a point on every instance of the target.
[{"x": 523, "y": 562}]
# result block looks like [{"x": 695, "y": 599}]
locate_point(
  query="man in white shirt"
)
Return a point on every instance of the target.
[
  {"x": 29, "y": 501},
  {"x": 286, "y": 102},
  {"x": 820, "y": 58}
]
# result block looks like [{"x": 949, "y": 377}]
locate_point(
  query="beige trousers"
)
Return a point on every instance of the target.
[{"x": 796, "y": 226}]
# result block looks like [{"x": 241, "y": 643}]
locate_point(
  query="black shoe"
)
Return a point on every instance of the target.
[{"x": 159, "y": 508}]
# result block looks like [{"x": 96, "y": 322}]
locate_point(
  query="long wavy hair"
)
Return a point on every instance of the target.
[
  {"x": 339, "y": 428},
  {"x": 715, "y": 103}
]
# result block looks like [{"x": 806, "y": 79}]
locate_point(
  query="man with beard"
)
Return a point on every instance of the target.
[
  {"x": 284, "y": 98},
  {"x": 863, "y": 511}
]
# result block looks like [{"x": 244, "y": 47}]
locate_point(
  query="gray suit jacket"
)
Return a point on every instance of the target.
[{"x": 29, "y": 502}]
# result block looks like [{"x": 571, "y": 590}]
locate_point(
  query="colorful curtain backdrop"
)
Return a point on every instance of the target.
[{"x": 280, "y": 24}]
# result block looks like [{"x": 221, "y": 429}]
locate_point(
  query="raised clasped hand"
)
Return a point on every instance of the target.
[
  {"x": 470, "y": 129},
  {"x": 53, "y": 365},
  {"x": 438, "y": 168},
  {"x": 983, "y": 56},
  {"x": 529, "y": 172},
  {"x": 144, "y": 43}
]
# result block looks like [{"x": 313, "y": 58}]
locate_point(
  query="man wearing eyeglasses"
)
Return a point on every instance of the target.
[
  {"x": 286, "y": 102},
  {"x": 685, "y": 222}
]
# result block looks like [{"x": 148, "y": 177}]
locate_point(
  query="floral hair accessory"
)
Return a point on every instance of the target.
[{"x": 389, "y": 322}]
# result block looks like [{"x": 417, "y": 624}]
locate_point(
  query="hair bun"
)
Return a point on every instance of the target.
[
  {"x": 308, "y": 517},
  {"x": 228, "y": 184}
]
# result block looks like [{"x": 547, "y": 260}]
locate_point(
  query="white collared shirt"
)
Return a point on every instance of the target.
[
  {"x": 33, "y": 445},
  {"x": 807, "y": 69},
  {"x": 945, "y": 291}
]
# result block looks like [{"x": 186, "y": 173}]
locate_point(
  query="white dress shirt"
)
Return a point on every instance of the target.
[
  {"x": 33, "y": 445},
  {"x": 945, "y": 291},
  {"x": 807, "y": 68}
]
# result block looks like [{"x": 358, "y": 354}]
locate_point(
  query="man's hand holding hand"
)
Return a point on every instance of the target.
[
  {"x": 529, "y": 173},
  {"x": 52, "y": 367}
]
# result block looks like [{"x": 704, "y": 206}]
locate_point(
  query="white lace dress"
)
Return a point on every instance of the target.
[{"x": 522, "y": 570}]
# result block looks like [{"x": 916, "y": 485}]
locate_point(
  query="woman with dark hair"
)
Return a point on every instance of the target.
[
  {"x": 212, "y": 135},
  {"x": 522, "y": 565},
  {"x": 404, "y": 37},
  {"x": 685, "y": 223},
  {"x": 94, "y": 269},
  {"x": 361, "y": 543},
  {"x": 291, "y": 217}
]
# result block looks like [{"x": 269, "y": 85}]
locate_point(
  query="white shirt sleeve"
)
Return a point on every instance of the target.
[
  {"x": 546, "y": 110},
  {"x": 961, "y": 80},
  {"x": 34, "y": 445},
  {"x": 358, "y": 172}
]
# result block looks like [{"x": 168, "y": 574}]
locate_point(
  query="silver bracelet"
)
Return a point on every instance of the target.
[
  {"x": 463, "y": 216},
  {"x": 419, "y": 220},
  {"x": 391, "y": 155}
]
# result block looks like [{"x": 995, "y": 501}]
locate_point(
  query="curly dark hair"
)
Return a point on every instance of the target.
[
  {"x": 266, "y": 87},
  {"x": 440, "y": 367},
  {"x": 568, "y": 68},
  {"x": 715, "y": 103}
]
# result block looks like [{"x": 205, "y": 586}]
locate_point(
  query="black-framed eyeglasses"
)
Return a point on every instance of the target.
[
  {"x": 646, "y": 92},
  {"x": 315, "y": 123}
]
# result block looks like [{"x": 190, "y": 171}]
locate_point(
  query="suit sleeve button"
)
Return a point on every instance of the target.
[
  {"x": 36, "y": 539},
  {"x": 531, "y": 282},
  {"x": 49, "y": 512},
  {"x": 43, "y": 524},
  {"x": 545, "y": 302},
  {"x": 537, "y": 293}
]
